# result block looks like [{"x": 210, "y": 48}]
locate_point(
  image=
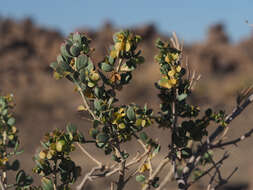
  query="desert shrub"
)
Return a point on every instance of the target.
[{"x": 191, "y": 147}]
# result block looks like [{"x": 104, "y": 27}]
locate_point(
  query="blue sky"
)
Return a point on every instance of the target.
[{"x": 189, "y": 18}]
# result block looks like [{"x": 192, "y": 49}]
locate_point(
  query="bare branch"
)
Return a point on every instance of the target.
[
  {"x": 87, "y": 176},
  {"x": 89, "y": 155},
  {"x": 224, "y": 181},
  {"x": 2, "y": 184},
  {"x": 121, "y": 180},
  {"x": 233, "y": 142},
  {"x": 224, "y": 157},
  {"x": 166, "y": 179}
]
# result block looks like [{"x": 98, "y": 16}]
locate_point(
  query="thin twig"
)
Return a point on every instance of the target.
[
  {"x": 119, "y": 65},
  {"x": 86, "y": 105},
  {"x": 174, "y": 125},
  {"x": 223, "y": 182},
  {"x": 224, "y": 157},
  {"x": 86, "y": 177},
  {"x": 134, "y": 161},
  {"x": 2, "y": 184},
  {"x": 232, "y": 142},
  {"x": 209, "y": 186},
  {"x": 166, "y": 179},
  {"x": 112, "y": 186},
  {"x": 89, "y": 155}
]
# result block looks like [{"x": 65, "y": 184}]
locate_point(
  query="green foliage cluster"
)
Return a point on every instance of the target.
[
  {"x": 9, "y": 145},
  {"x": 114, "y": 124},
  {"x": 54, "y": 159}
]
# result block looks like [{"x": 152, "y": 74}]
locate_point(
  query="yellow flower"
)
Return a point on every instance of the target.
[
  {"x": 144, "y": 167},
  {"x": 13, "y": 129},
  {"x": 57, "y": 75},
  {"x": 120, "y": 37},
  {"x": 113, "y": 54},
  {"x": 172, "y": 72},
  {"x": 178, "y": 69},
  {"x": 87, "y": 93},
  {"x": 122, "y": 126},
  {"x": 3, "y": 160},
  {"x": 119, "y": 46},
  {"x": 42, "y": 155},
  {"x": 167, "y": 59},
  {"x": 128, "y": 46},
  {"x": 81, "y": 108},
  {"x": 72, "y": 64},
  {"x": 94, "y": 76},
  {"x": 174, "y": 56},
  {"x": 165, "y": 83},
  {"x": 118, "y": 115},
  {"x": 173, "y": 81}
]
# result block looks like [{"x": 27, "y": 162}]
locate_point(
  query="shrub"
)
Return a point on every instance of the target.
[{"x": 191, "y": 147}]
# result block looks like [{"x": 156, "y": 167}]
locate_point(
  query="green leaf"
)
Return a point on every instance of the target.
[
  {"x": 16, "y": 146},
  {"x": 63, "y": 67},
  {"x": 81, "y": 62},
  {"x": 126, "y": 77},
  {"x": 106, "y": 67},
  {"x": 15, "y": 165},
  {"x": 103, "y": 77},
  {"x": 140, "y": 178},
  {"x": 102, "y": 138},
  {"x": 143, "y": 136},
  {"x": 77, "y": 37},
  {"x": 155, "y": 185},
  {"x": 111, "y": 60},
  {"x": 11, "y": 121},
  {"x": 64, "y": 50},
  {"x": 71, "y": 128},
  {"x": 97, "y": 105},
  {"x": 82, "y": 75},
  {"x": 59, "y": 58},
  {"x": 81, "y": 138},
  {"x": 19, "y": 152},
  {"x": 115, "y": 158},
  {"x": 97, "y": 92},
  {"x": 186, "y": 152},
  {"x": 54, "y": 65},
  {"x": 125, "y": 155},
  {"x": 75, "y": 50},
  {"x": 157, "y": 150},
  {"x": 130, "y": 113},
  {"x": 96, "y": 123},
  {"x": 90, "y": 66},
  {"x": 100, "y": 145},
  {"x": 93, "y": 132},
  {"x": 181, "y": 97},
  {"x": 47, "y": 184},
  {"x": 20, "y": 177}
]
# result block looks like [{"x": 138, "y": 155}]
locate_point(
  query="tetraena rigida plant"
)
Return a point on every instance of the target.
[{"x": 190, "y": 151}]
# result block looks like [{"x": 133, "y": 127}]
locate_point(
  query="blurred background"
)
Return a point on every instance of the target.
[{"x": 218, "y": 43}]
